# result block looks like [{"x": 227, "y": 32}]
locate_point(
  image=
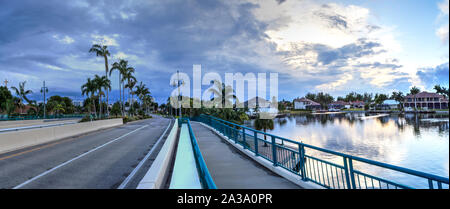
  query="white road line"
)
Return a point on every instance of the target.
[
  {"x": 135, "y": 170},
  {"x": 73, "y": 159}
]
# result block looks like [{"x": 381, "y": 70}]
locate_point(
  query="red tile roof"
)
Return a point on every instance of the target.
[
  {"x": 424, "y": 94},
  {"x": 303, "y": 99}
]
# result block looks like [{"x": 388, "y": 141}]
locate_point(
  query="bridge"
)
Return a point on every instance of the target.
[{"x": 188, "y": 153}]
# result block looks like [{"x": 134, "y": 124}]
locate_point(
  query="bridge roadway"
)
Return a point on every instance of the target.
[
  {"x": 231, "y": 169},
  {"x": 97, "y": 160}
]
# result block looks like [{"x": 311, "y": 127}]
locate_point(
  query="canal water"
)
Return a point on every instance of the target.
[{"x": 416, "y": 141}]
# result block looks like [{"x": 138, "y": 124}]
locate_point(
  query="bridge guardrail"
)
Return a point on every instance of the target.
[
  {"x": 34, "y": 127},
  {"x": 291, "y": 155},
  {"x": 205, "y": 176}
]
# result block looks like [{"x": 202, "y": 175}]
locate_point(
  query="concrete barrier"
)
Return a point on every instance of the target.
[
  {"x": 10, "y": 141},
  {"x": 17, "y": 123},
  {"x": 155, "y": 176},
  {"x": 26, "y": 123}
]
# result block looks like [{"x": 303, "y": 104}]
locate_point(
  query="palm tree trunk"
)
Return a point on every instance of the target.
[
  {"x": 107, "y": 91},
  {"x": 95, "y": 109},
  {"x": 100, "y": 104},
  {"x": 415, "y": 103},
  {"x": 120, "y": 93},
  {"x": 123, "y": 97}
]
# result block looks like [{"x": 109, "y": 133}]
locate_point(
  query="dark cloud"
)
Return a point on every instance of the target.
[
  {"x": 438, "y": 75},
  {"x": 163, "y": 35},
  {"x": 280, "y": 1},
  {"x": 379, "y": 65},
  {"x": 358, "y": 49}
]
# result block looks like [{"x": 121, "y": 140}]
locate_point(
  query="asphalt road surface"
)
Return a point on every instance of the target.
[{"x": 99, "y": 160}]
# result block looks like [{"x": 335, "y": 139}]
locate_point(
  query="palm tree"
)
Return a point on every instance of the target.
[
  {"x": 100, "y": 84},
  {"x": 141, "y": 91},
  {"x": 414, "y": 90},
  {"x": 22, "y": 94},
  {"x": 130, "y": 79},
  {"x": 131, "y": 83},
  {"x": 89, "y": 88},
  {"x": 103, "y": 52},
  {"x": 441, "y": 90},
  {"x": 264, "y": 124},
  {"x": 398, "y": 96},
  {"x": 225, "y": 92},
  {"x": 123, "y": 68},
  {"x": 147, "y": 100}
]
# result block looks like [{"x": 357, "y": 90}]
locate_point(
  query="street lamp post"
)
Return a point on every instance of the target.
[
  {"x": 178, "y": 82},
  {"x": 44, "y": 90}
]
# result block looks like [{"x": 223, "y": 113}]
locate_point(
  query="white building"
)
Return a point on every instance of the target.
[{"x": 303, "y": 104}]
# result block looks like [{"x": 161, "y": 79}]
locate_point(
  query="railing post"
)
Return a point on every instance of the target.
[
  {"x": 255, "y": 137},
  {"x": 347, "y": 176},
  {"x": 243, "y": 138},
  {"x": 274, "y": 151},
  {"x": 352, "y": 174},
  {"x": 234, "y": 134},
  {"x": 301, "y": 169},
  {"x": 430, "y": 184}
]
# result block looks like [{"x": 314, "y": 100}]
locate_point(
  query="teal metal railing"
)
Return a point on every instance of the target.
[
  {"x": 203, "y": 172},
  {"x": 301, "y": 159}
]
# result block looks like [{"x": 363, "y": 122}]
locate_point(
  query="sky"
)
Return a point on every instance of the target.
[{"x": 375, "y": 46}]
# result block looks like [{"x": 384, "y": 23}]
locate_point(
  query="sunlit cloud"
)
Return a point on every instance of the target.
[
  {"x": 104, "y": 40},
  {"x": 442, "y": 31},
  {"x": 65, "y": 40}
]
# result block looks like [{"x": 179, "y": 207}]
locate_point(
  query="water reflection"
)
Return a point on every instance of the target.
[{"x": 416, "y": 141}]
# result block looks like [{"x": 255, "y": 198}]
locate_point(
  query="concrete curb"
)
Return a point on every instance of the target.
[
  {"x": 154, "y": 177},
  {"x": 10, "y": 141},
  {"x": 269, "y": 165}
]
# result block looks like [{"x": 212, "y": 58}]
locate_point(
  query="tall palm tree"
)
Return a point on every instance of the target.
[
  {"x": 141, "y": 91},
  {"x": 147, "y": 100},
  {"x": 22, "y": 94},
  {"x": 122, "y": 67},
  {"x": 101, "y": 83},
  {"x": 414, "y": 90},
  {"x": 131, "y": 81},
  {"x": 264, "y": 124},
  {"x": 89, "y": 88},
  {"x": 103, "y": 52}
]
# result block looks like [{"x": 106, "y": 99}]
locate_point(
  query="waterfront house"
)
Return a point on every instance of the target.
[
  {"x": 337, "y": 105},
  {"x": 305, "y": 104},
  {"x": 262, "y": 104},
  {"x": 357, "y": 104},
  {"x": 425, "y": 100}
]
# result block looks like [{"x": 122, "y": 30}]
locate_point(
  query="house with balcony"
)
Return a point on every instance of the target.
[{"x": 426, "y": 101}]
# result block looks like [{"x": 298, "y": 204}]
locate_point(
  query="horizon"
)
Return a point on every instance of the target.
[{"x": 314, "y": 46}]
